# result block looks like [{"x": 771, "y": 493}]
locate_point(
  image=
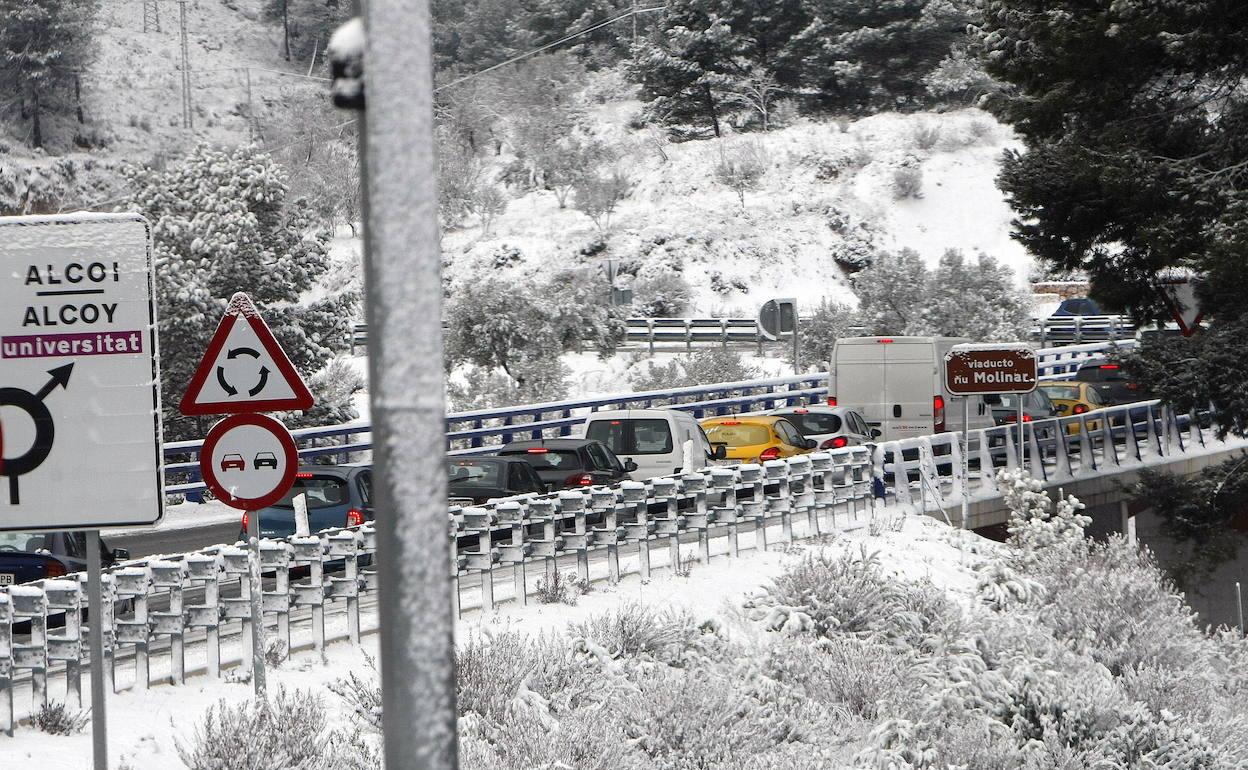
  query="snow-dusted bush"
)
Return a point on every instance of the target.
[
  {"x": 866, "y": 678},
  {"x": 661, "y": 292},
  {"x": 907, "y": 183},
  {"x": 362, "y": 695},
  {"x": 56, "y": 718},
  {"x": 489, "y": 673},
  {"x": 288, "y": 730},
  {"x": 741, "y": 169},
  {"x": 559, "y": 588},
  {"x": 926, "y": 135},
  {"x": 334, "y": 389},
  {"x": 531, "y": 381},
  {"x": 703, "y": 367},
  {"x": 635, "y": 630}
]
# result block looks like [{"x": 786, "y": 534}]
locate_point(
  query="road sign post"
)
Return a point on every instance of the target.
[
  {"x": 248, "y": 460},
  {"x": 1002, "y": 368},
  {"x": 79, "y": 393}
]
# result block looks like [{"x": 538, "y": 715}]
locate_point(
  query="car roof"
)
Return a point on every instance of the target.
[
  {"x": 549, "y": 443},
  {"x": 635, "y": 414},
  {"x": 342, "y": 471},
  {"x": 761, "y": 419}
]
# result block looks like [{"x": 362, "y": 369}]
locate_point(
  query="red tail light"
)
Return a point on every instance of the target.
[
  {"x": 1080, "y": 408},
  {"x": 303, "y": 475},
  {"x": 54, "y": 569},
  {"x": 885, "y": 341},
  {"x": 579, "y": 480},
  {"x": 246, "y": 520},
  {"x": 355, "y": 517},
  {"x": 1132, "y": 386},
  {"x": 1014, "y": 418},
  {"x": 831, "y": 400},
  {"x": 770, "y": 453},
  {"x": 1111, "y": 367},
  {"x": 938, "y": 412},
  {"x": 835, "y": 442},
  {"x": 731, "y": 422},
  {"x": 537, "y": 451}
]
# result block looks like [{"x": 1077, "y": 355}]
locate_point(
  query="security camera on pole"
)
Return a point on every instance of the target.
[{"x": 248, "y": 460}]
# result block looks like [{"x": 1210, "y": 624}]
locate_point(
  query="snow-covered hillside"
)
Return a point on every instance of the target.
[{"x": 827, "y": 192}]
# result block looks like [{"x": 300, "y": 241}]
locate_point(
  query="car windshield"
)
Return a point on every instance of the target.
[
  {"x": 814, "y": 423},
  {"x": 28, "y": 542},
  {"x": 469, "y": 474},
  {"x": 738, "y": 434},
  {"x": 543, "y": 459},
  {"x": 321, "y": 491},
  {"x": 1063, "y": 391}
]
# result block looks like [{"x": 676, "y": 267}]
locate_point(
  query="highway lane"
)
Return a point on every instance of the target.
[{"x": 174, "y": 540}]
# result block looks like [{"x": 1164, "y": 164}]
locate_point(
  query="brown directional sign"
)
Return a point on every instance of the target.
[{"x": 975, "y": 369}]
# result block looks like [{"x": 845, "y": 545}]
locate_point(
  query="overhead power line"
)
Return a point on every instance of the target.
[{"x": 627, "y": 14}]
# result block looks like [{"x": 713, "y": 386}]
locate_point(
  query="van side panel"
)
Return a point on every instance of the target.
[{"x": 860, "y": 379}]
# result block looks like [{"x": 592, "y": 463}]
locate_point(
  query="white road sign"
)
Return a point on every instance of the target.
[
  {"x": 80, "y": 441},
  {"x": 249, "y": 461}
]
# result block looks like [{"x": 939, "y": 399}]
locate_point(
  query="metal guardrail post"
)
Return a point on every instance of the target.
[{"x": 7, "y": 706}]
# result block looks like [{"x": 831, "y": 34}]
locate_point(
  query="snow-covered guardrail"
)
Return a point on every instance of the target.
[
  {"x": 191, "y": 611},
  {"x": 1078, "y": 329}
]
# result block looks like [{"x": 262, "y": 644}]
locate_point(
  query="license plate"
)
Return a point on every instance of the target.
[{"x": 6, "y": 579}]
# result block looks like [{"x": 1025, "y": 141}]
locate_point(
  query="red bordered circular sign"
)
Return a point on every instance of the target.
[{"x": 249, "y": 461}]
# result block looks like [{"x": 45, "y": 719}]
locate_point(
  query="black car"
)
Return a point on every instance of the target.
[
  {"x": 1036, "y": 406},
  {"x": 29, "y": 556},
  {"x": 563, "y": 463},
  {"x": 1078, "y": 306},
  {"x": 473, "y": 480},
  {"x": 337, "y": 496},
  {"x": 1111, "y": 383}
]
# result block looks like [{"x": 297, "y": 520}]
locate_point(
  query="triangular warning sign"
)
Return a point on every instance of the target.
[
  {"x": 244, "y": 369},
  {"x": 1180, "y": 293}
]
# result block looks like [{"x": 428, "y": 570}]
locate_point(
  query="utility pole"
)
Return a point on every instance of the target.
[
  {"x": 402, "y": 276},
  {"x": 151, "y": 16},
  {"x": 285, "y": 31},
  {"x": 188, "y": 112},
  {"x": 251, "y": 115}
]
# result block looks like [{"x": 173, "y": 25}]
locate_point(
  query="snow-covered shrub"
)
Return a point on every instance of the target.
[
  {"x": 850, "y": 594},
  {"x": 907, "y": 183},
  {"x": 276, "y": 652},
  {"x": 711, "y": 365},
  {"x": 661, "y": 292},
  {"x": 635, "y": 630},
  {"x": 656, "y": 376},
  {"x": 489, "y": 673},
  {"x": 56, "y": 718},
  {"x": 703, "y": 718},
  {"x": 362, "y": 695},
  {"x": 926, "y": 135},
  {"x": 532, "y": 381},
  {"x": 289, "y": 730},
  {"x": 866, "y": 678},
  {"x": 741, "y": 169},
  {"x": 822, "y": 328},
  {"x": 334, "y": 389},
  {"x": 560, "y": 588},
  {"x": 892, "y": 292}
]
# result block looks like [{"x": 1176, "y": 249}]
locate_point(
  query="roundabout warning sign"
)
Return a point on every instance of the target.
[{"x": 79, "y": 401}]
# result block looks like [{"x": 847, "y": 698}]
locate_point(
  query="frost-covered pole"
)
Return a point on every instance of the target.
[{"x": 404, "y": 311}]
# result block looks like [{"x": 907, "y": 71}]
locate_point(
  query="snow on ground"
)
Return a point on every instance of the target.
[
  {"x": 143, "y": 726},
  {"x": 824, "y": 190}
]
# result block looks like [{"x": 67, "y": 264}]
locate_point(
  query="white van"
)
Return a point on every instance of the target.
[
  {"x": 898, "y": 385},
  {"x": 662, "y": 442}
]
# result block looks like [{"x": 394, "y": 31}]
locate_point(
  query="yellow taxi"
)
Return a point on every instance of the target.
[
  {"x": 1072, "y": 398},
  {"x": 757, "y": 438}
]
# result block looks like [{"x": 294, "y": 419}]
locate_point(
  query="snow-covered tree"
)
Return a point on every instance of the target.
[
  {"x": 741, "y": 169},
  {"x": 821, "y": 329},
  {"x": 222, "y": 223},
  {"x": 979, "y": 300},
  {"x": 892, "y": 292},
  {"x": 899, "y": 295},
  {"x": 597, "y": 195},
  {"x": 45, "y": 45}
]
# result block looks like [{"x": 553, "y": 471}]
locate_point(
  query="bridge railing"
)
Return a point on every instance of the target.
[
  {"x": 168, "y": 616},
  {"x": 1079, "y": 329},
  {"x": 1058, "y": 449}
]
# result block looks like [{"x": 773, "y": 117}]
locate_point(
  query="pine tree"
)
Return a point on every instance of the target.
[
  {"x": 891, "y": 292},
  {"x": 222, "y": 223},
  {"x": 44, "y": 47}
]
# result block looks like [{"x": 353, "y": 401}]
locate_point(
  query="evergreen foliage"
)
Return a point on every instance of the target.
[
  {"x": 222, "y": 223},
  {"x": 898, "y": 295},
  {"x": 45, "y": 45}
]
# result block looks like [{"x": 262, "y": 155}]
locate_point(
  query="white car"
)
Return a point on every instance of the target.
[{"x": 832, "y": 426}]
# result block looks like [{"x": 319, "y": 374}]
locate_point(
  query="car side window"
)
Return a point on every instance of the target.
[
  {"x": 789, "y": 434},
  {"x": 535, "y": 482},
  {"x": 517, "y": 479},
  {"x": 1094, "y": 398},
  {"x": 75, "y": 544},
  {"x": 602, "y": 460},
  {"x": 365, "y": 484}
]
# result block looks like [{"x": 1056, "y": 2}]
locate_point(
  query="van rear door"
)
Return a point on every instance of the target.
[
  {"x": 860, "y": 378},
  {"x": 909, "y": 388}
]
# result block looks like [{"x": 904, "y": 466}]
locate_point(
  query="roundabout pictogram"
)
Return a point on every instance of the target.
[{"x": 45, "y": 428}]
